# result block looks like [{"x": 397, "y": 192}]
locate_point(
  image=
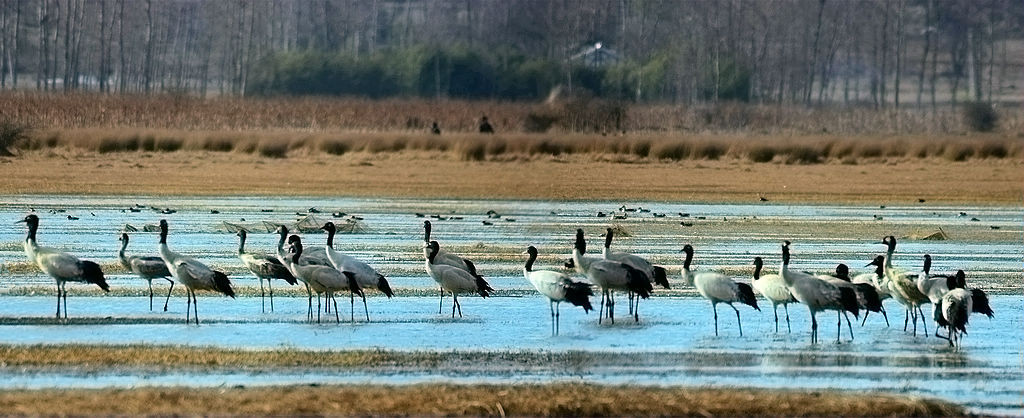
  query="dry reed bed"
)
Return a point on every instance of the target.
[
  {"x": 570, "y": 399},
  {"x": 90, "y": 110},
  {"x": 807, "y": 149}
]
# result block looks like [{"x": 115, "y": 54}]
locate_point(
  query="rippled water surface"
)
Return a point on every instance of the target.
[{"x": 673, "y": 344}]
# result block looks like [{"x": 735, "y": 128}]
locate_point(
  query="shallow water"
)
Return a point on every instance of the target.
[{"x": 674, "y": 342}]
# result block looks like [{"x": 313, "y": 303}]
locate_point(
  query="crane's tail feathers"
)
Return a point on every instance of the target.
[
  {"x": 92, "y": 273},
  {"x": 353, "y": 284},
  {"x": 482, "y": 287},
  {"x": 937, "y": 314},
  {"x": 470, "y": 267},
  {"x": 223, "y": 285},
  {"x": 578, "y": 294},
  {"x": 384, "y": 286},
  {"x": 872, "y": 302},
  {"x": 281, "y": 272},
  {"x": 661, "y": 277},
  {"x": 747, "y": 295},
  {"x": 979, "y": 300},
  {"x": 637, "y": 282},
  {"x": 848, "y": 297}
]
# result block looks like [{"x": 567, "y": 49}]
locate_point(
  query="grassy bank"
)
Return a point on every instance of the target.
[
  {"x": 465, "y": 400},
  {"x": 319, "y": 114},
  {"x": 633, "y": 148}
]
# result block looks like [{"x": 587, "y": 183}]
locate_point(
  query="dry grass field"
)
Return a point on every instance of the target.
[
  {"x": 463, "y": 400},
  {"x": 435, "y": 174},
  {"x": 558, "y": 399}
]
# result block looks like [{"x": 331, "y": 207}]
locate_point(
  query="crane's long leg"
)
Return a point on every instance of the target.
[
  {"x": 352, "y": 306},
  {"x": 865, "y": 320},
  {"x": 886, "y": 317},
  {"x": 270, "y": 288},
  {"x": 630, "y": 296},
  {"x": 906, "y": 319},
  {"x": 168, "y": 299},
  {"x": 263, "y": 295},
  {"x": 600, "y": 312},
  {"x": 58, "y": 300},
  {"x": 848, "y": 326},
  {"x": 788, "y": 328},
  {"x": 365, "y": 308},
  {"x": 457, "y": 304},
  {"x": 714, "y": 308},
  {"x": 814, "y": 328},
  {"x": 611, "y": 306},
  {"x": 551, "y": 306},
  {"x": 195, "y": 307},
  {"x": 738, "y": 324},
  {"x": 636, "y": 309},
  {"x": 309, "y": 301},
  {"x": 188, "y": 304},
  {"x": 455, "y": 300},
  {"x": 318, "y": 308},
  {"x": 337, "y": 319},
  {"x": 440, "y": 303},
  {"x": 924, "y": 323},
  {"x": 775, "y": 309},
  {"x": 150, "y": 295},
  {"x": 64, "y": 288},
  {"x": 556, "y": 318}
]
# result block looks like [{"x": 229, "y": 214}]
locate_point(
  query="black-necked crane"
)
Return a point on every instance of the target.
[
  {"x": 59, "y": 265},
  {"x": 264, "y": 267},
  {"x": 717, "y": 288},
  {"x": 955, "y": 308},
  {"x": 146, "y": 267},
  {"x": 454, "y": 279},
  {"x": 322, "y": 279},
  {"x": 309, "y": 257},
  {"x": 445, "y": 258},
  {"x": 366, "y": 276},
  {"x": 192, "y": 274},
  {"x": 774, "y": 289},
  {"x": 818, "y": 295},
  {"x": 609, "y": 276},
  {"x": 905, "y": 285},
  {"x": 558, "y": 287},
  {"x": 655, "y": 274},
  {"x": 867, "y": 297}
]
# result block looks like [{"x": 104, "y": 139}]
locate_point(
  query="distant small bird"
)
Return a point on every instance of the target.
[
  {"x": 313, "y": 210},
  {"x": 601, "y": 214},
  {"x": 487, "y": 223},
  {"x": 684, "y": 215},
  {"x": 214, "y": 211},
  {"x": 763, "y": 199},
  {"x": 434, "y": 129},
  {"x": 920, "y": 200},
  {"x": 485, "y": 126},
  {"x": 72, "y": 218}
]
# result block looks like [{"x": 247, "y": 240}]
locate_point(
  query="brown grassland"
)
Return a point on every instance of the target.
[
  {"x": 569, "y": 399},
  {"x": 561, "y": 399},
  {"x": 102, "y": 144}
]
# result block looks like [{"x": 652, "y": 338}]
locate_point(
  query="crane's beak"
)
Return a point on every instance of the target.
[{"x": 20, "y": 222}]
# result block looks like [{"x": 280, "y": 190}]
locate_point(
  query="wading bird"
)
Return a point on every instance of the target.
[
  {"x": 655, "y": 274},
  {"x": 61, "y": 266},
  {"x": 609, "y": 276},
  {"x": 148, "y": 268},
  {"x": 453, "y": 279},
  {"x": 558, "y": 288},
  {"x": 445, "y": 258},
  {"x": 818, "y": 295},
  {"x": 774, "y": 289},
  {"x": 365, "y": 275},
  {"x": 717, "y": 288},
  {"x": 322, "y": 279},
  {"x": 956, "y": 306},
  {"x": 192, "y": 274},
  {"x": 264, "y": 267}
]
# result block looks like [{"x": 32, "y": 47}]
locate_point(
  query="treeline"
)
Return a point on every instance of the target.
[
  {"x": 457, "y": 72},
  {"x": 876, "y": 52}
]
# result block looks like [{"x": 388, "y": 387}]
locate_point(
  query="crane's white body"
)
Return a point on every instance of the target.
[
  {"x": 146, "y": 267},
  {"x": 774, "y": 289}
]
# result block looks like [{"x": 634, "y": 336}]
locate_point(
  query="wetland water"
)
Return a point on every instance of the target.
[{"x": 674, "y": 343}]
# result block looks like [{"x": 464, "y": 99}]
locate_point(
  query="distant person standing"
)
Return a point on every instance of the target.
[
  {"x": 434, "y": 129},
  {"x": 485, "y": 126}
]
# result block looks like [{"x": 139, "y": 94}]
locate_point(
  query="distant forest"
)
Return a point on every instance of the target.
[{"x": 879, "y": 53}]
